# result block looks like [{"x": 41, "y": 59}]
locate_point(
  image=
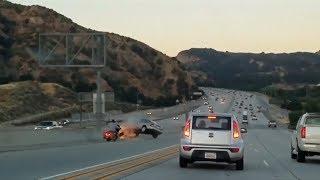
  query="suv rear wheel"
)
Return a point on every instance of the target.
[
  {"x": 183, "y": 162},
  {"x": 301, "y": 156},
  {"x": 155, "y": 135},
  {"x": 293, "y": 156},
  {"x": 239, "y": 164}
]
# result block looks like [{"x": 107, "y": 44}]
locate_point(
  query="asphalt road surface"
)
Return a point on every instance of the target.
[
  {"x": 267, "y": 156},
  {"x": 267, "y": 153}
]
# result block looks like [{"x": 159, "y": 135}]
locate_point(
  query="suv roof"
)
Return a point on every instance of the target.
[
  {"x": 313, "y": 114},
  {"x": 206, "y": 114}
]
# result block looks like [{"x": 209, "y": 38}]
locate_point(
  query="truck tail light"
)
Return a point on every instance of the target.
[
  {"x": 236, "y": 130},
  {"x": 186, "y": 130},
  {"x": 303, "y": 132}
]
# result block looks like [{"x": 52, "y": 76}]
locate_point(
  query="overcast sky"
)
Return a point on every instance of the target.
[{"x": 228, "y": 25}]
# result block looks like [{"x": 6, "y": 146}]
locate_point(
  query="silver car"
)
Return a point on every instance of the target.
[
  {"x": 212, "y": 137},
  {"x": 305, "y": 140},
  {"x": 47, "y": 125},
  {"x": 147, "y": 126}
]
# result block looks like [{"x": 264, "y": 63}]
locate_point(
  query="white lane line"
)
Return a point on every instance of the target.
[
  {"x": 110, "y": 162},
  {"x": 256, "y": 150},
  {"x": 266, "y": 163}
]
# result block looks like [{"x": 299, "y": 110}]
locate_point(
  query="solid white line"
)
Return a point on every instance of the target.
[
  {"x": 110, "y": 162},
  {"x": 266, "y": 163}
]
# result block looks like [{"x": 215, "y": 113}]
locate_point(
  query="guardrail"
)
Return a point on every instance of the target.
[{"x": 44, "y": 116}]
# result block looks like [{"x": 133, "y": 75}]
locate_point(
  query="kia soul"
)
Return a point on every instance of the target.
[{"x": 212, "y": 137}]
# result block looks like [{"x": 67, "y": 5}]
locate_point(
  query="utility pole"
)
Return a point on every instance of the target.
[
  {"x": 137, "y": 101},
  {"x": 80, "y": 110},
  {"x": 99, "y": 100}
]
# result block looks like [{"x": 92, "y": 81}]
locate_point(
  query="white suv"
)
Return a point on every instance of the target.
[
  {"x": 212, "y": 137},
  {"x": 305, "y": 140}
]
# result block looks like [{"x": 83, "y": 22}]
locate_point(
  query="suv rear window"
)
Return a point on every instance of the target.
[
  {"x": 217, "y": 123},
  {"x": 313, "y": 120}
]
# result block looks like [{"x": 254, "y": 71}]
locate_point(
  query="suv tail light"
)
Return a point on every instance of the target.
[
  {"x": 235, "y": 149},
  {"x": 187, "y": 148},
  {"x": 303, "y": 132},
  {"x": 186, "y": 130},
  {"x": 236, "y": 130}
]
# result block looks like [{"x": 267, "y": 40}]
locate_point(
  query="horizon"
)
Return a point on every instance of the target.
[{"x": 247, "y": 26}]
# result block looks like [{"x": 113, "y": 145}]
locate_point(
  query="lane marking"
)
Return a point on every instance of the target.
[
  {"x": 256, "y": 150},
  {"x": 266, "y": 163},
  {"x": 285, "y": 166},
  {"x": 110, "y": 162}
]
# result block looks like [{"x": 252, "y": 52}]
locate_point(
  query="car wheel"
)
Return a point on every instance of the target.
[
  {"x": 155, "y": 135},
  {"x": 293, "y": 156},
  {"x": 183, "y": 162},
  {"x": 239, "y": 164},
  {"x": 301, "y": 156},
  {"x": 143, "y": 129}
]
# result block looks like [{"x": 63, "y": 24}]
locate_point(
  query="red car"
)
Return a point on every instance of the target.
[{"x": 110, "y": 135}]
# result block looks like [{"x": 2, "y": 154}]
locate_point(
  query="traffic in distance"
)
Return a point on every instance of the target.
[{"x": 227, "y": 135}]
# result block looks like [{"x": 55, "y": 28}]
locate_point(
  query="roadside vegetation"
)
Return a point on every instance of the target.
[{"x": 298, "y": 101}]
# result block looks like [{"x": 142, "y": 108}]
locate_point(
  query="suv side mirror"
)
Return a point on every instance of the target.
[{"x": 243, "y": 130}]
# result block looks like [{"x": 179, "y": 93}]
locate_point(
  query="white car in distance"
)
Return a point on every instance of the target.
[{"x": 47, "y": 125}]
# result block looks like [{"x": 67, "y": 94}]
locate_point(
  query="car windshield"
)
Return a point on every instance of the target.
[
  {"x": 313, "y": 120},
  {"x": 46, "y": 123},
  {"x": 215, "y": 123}
]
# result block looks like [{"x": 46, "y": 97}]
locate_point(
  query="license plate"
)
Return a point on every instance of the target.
[{"x": 210, "y": 155}]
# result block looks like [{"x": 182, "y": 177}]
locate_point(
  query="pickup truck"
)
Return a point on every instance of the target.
[{"x": 305, "y": 140}]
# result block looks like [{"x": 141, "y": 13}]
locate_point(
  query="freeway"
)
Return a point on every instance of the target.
[
  {"x": 36, "y": 163},
  {"x": 267, "y": 156},
  {"x": 267, "y": 153}
]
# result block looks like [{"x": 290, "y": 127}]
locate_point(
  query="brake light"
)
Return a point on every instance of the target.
[
  {"x": 186, "y": 131},
  {"x": 303, "y": 132},
  {"x": 235, "y": 149},
  {"x": 212, "y": 117},
  {"x": 236, "y": 130},
  {"x": 187, "y": 148}
]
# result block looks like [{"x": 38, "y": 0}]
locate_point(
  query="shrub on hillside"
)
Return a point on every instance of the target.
[
  {"x": 159, "y": 61},
  {"x": 293, "y": 118},
  {"x": 138, "y": 50},
  {"x": 312, "y": 106}
]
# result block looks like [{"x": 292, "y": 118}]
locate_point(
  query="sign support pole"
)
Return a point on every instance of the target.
[{"x": 99, "y": 100}]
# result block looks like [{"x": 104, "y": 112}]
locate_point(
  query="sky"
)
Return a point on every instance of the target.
[{"x": 171, "y": 26}]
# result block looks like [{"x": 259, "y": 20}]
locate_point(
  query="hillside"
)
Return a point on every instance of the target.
[
  {"x": 132, "y": 66},
  {"x": 30, "y": 98},
  {"x": 251, "y": 71}
]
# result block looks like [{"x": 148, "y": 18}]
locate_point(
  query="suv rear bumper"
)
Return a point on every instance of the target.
[
  {"x": 311, "y": 148},
  {"x": 223, "y": 153}
]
